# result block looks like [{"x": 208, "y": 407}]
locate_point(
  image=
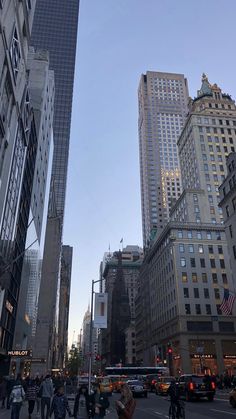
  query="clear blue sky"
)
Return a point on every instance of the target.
[{"x": 118, "y": 40}]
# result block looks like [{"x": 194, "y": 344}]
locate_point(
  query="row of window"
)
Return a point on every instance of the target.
[
  {"x": 200, "y": 247},
  {"x": 199, "y": 234},
  {"x": 198, "y": 309},
  {"x": 183, "y": 263},
  {"x": 194, "y": 277}
]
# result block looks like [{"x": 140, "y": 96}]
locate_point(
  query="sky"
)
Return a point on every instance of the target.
[{"x": 118, "y": 40}]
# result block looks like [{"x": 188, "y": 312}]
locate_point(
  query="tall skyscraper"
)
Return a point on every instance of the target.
[
  {"x": 186, "y": 274},
  {"x": 55, "y": 29},
  {"x": 163, "y": 99}
]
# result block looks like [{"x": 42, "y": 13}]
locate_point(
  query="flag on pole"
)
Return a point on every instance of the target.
[
  {"x": 227, "y": 302},
  {"x": 121, "y": 240}
]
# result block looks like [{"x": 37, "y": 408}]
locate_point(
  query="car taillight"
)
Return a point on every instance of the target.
[
  {"x": 191, "y": 386},
  {"x": 213, "y": 386}
]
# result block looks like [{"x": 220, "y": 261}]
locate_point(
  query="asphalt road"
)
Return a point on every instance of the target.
[{"x": 157, "y": 407}]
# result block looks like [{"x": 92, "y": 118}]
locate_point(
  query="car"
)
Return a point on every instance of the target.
[
  {"x": 232, "y": 397},
  {"x": 150, "y": 381},
  {"x": 196, "y": 386},
  {"x": 106, "y": 386},
  {"x": 137, "y": 387},
  {"x": 162, "y": 385}
]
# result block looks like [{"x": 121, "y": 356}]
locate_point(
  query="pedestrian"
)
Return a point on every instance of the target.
[
  {"x": 46, "y": 393},
  {"x": 83, "y": 391},
  {"x": 3, "y": 391},
  {"x": 101, "y": 403},
  {"x": 125, "y": 406},
  {"x": 38, "y": 398},
  {"x": 16, "y": 399},
  {"x": 31, "y": 395},
  {"x": 10, "y": 385},
  {"x": 60, "y": 404}
]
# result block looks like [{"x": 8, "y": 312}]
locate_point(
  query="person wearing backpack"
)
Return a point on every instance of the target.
[
  {"x": 101, "y": 403},
  {"x": 16, "y": 399}
]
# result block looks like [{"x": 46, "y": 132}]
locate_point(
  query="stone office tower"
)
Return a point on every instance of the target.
[
  {"x": 55, "y": 29},
  {"x": 163, "y": 99}
]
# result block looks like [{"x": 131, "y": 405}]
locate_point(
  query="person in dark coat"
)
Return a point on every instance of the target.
[
  {"x": 3, "y": 391},
  {"x": 31, "y": 396},
  {"x": 60, "y": 404},
  {"x": 83, "y": 391}
]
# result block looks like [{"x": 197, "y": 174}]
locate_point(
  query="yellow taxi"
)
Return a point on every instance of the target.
[
  {"x": 232, "y": 397},
  {"x": 162, "y": 385},
  {"x": 105, "y": 385}
]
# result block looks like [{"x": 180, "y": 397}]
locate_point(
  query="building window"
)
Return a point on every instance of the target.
[
  {"x": 180, "y": 234},
  {"x": 213, "y": 263},
  {"x": 231, "y": 231},
  {"x": 214, "y": 278},
  {"x": 208, "y": 235},
  {"x": 191, "y": 248},
  {"x": 220, "y": 250},
  {"x": 224, "y": 279},
  {"x": 192, "y": 263},
  {"x": 202, "y": 263},
  {"x": 181, "y": 248},
  {"x": 184, "y": 277},
  {"x": 222, "y": 263},
  {"x": 217, "y": 293},
  {"x": 208, "y": 309},
  {"x": 183, "y": 262},
  {"x": 227, "y": 210},
  {"x": 206, "y": 293},
  {"x": 200, "y": 248},
  {"x": 198, "y": 308},
  {"x": 186, "y": 293},
  {"x": 187, "y": 309},
  {"x": 15, "y": 53},
  {"x": 199, "y": 235},
  {"x": 210, "y": 249},
  {"x": 204, "y": 277},
  {"x": 196, "y": 292},
  {"x": 194, "y": 277},
  {"x": 190, "y": 234}
]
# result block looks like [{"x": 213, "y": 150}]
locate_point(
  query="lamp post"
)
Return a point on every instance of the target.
[{"x": 91, "y": 336}]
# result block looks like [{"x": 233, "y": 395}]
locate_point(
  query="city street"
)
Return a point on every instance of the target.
[{"x": 157, "y": 407}]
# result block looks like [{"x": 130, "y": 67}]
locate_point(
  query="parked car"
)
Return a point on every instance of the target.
[
  {"x": 137, "y": 387},
  {"x": 196, "y": 386},
  {"x": 150, "y": 381},
  {"x": 162, "y": 385},
  {"x": 232, "y": 397}
]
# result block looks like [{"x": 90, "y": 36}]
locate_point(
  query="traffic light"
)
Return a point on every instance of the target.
[
  {"x": 97, "y": 357},
  {"x": 169, "y": 349}
]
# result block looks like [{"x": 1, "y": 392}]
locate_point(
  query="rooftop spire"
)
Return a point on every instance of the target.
[{"x": 206, "y": 87}]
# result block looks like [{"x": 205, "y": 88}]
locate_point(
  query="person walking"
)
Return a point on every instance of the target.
[
  {"x": 16, "y": 399},
  {"x": 10, "y": 384},
  {"x": 46, "y": 392},
  {"x": 60, "y": 404},
  {"x": 3, "y": 391},
  {"x": 31, "y": 395},
  {"x": 101, "y": 403},
  {"x": 38, "y": 398},
  {"x": 125, "y": 406}
]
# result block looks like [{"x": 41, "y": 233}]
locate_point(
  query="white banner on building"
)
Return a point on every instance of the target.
[{"x": 100, "y": 311}]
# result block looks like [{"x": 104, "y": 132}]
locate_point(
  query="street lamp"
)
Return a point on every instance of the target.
[{"x": 91, "y": 335}]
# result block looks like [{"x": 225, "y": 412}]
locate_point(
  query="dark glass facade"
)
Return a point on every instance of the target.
[{"x": 55, "y": 29}]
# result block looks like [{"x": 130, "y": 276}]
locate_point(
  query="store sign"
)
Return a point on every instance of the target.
[
  {"x": 20, "y": 353},
  {"x": 206, "y": 356},
  {"x": 100, "y": 312},
  {"x": 229, "y": 356},
  {"x": 36, "y": 360}
]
